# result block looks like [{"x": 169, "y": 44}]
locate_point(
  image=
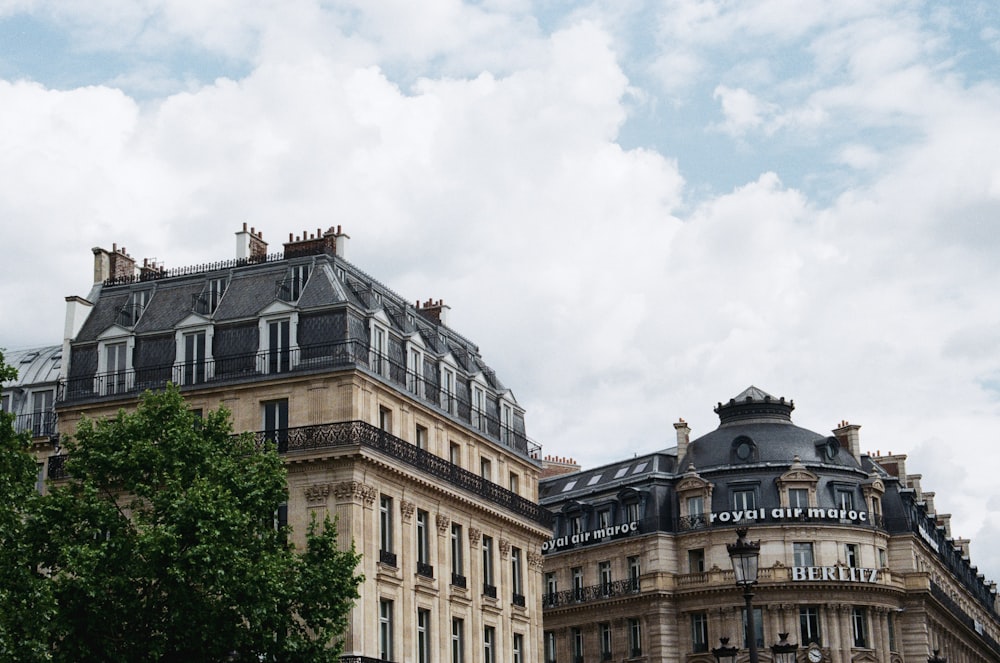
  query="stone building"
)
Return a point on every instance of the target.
[
  {"x": 31, "y": 398},
  {"x": 386, "y": 417},
  {"x": 855, "y": 563}
]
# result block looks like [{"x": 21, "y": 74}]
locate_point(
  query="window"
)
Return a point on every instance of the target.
[
  {"x": 297, "y": 281},
  {"x": 457, "y": 640},
  {"x": 605, "y": 630},
  {"x": 845, "y": 499},
  {"x": 876, "y": 505},
  {"x": 423, "y": 636},
  {"x": 478, "y": 407},
  {"x": 892, "y": 631},
  {"x": 415, "y": 371},
  {"x": 632, "y": 512},
  {"x": 457, "y": 569},
  {"x": 550, "y": 647},
  {"x": 696, "y": 560},
  {"x": 514, "y": 482},
  {"x": 517, "y": 649},
  {"x": 486, "y": 469},
  {"x": 695, "y": 506},
  {"x": 798, "y": 498},
  {"x": 489, "y": 635},
  {"x": 699, "y": 632},
  {"x": 278, "y": 346},
  {"x": 551, "y": 587},
  {"x": 421, "y": 437},
  {"x": 378, "y": 356},
  {"x": 576, "y": 635},
  {"x": 604, "y": 518},
  {"x": 5, "y": 403},
  {"x": 140, "y": 299},
  {"x": 634, "y": 572},
  {"x": 517, "y": 589},
  {"x": 216, "y": 288},
  {"x": 385, "y": 629},
  {"x": 758, "y": 627},
  {"x": 455, "y": 453},
  {"x": 634, "y": 638},
  {"x": 802, "y": 554},
  {"x": 42, "y": 417},
  {"x": 744, "y": 499},
  {"x": 385, "y": 529},
  {"x": 276, "y": 422},
  {"x": 193, "y": 366},
  {"x": 604, "y": 573},
  {"x": 577, "y": 573},
  {"x": 448, "y": 401},
  {"x": 576, "y": 525},
  {"x": 115, "y": 368},
  {"x": 851, "y": 554},
  {"x": 489, "y": 588},
  {"x": 809, "y": 626},
  {"x": 506, "y": 423},
  {"x": 882, "y": 559},
  {"x": 385, "y": 418},
  {"x": 859, "y": 626},
  {"x": 424, "y": 567}
]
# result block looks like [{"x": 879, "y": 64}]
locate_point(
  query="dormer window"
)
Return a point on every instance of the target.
[
  {"x": 216, "y": 288},
  {"x": 506, "y": 422},
  {"x": 448, "y": 380},
  {"x": 298, "y": 279},
  {"x": 129, "y": 314},
  {"x": 113, "y": 357},
  {"x": 379, "y": 350},
  {"x": 479, "y": 417},
  {"x": 415, "y": 370}
]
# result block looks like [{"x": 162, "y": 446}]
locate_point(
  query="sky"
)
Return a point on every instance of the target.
[{"x": 636, "y": 208}]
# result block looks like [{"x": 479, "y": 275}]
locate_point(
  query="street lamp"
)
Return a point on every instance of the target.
[
  {"x": 937, "y": 659},
  {"x": 725, "y": 653},
  {"x": 784, "y": 651},
  {"x": 744, "y": 556}
]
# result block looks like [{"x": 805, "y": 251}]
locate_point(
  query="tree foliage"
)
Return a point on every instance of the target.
[{"x": 163, "y": 547}]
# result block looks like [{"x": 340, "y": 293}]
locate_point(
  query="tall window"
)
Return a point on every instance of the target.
[
  {"x": 696, "y": 560},
  {"x": 378, "y": 356},
  {"x": 699, "y": 632},
  {"x": 194, "y": 358},
  {"x": 577, "y": 573},
  {"x": 798, "y": 498},
  {"x": 883, "y": 561},
  {"x": 298, "y": 280},
  {"x": 279, "y": 346},
  {"x": 385, "y": 530},
  {"x": 489, "y": 639},
  {"x": 802, "y": 554},
  {"x": 385, "y": 418},
  {"x": 478, "y": 407},
  {"x": 5, "y": 403},
  {"x": 758, "y": 627},
  {"x": 41, "y": 413},
  {"x": 517, "y": 648},
  {"x": 809, "y": 625},
  {"x": 550, "y": 647},
  {"x": 486, "y": 469},
  {"x": 859, "y": 626},
  {"x": 634, "y": 572},
  {"x": 455, "y": 453},
  {"x": 489, "y": 587},
  {"x": 744, "y": 498},
  {"x": 140, "y": 299},
  {"x": 605, "y": 629},
  {"x": 515, "y": 576},
  {"x": 576, "y": 636},
  {"x": 851, "y": 554},
  {"x": 845, "y": 499},
  {"x": 604, "y": 572},
  {"x": 604, "y": 518},
  {"x": 423, "y": 636},
  {"x": 634, "y": 638},
  {"x": 695, "y": 506},
  {"x": 551, "y": 587},
  {"x": 276, "y": 422},
  {"x": 216, "y": 288},
  {"x": 420, "y": 439},
  {"x": 632, "y": 512},
  {"x": 424, "y": 567},
  {"x": 892, "y": 631},
  {"x": 385, "y": 629},
  {"x": 506, "y": 423},
  {"x": 457, "y": 640},
  {"x": 514, "y": 482},
  {"x": 116, "y": 368},
  {"x": 415, "y": 371},
  {"x": 448, "y": 402},
  {"x": 457, "y": 568}
]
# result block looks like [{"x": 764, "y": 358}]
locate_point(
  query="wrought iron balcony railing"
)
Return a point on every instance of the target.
[
  {"x": 38, "y": 424},
  {"x": 387, "y": 558},
  {"x": 489, "y": 590},
  {"x": 425, "y": 570},
  {"x": 458, "y": 580},
  {"x": 517, "y": 599},
  {"x": 592, "y": 593},
  {"x": 196, "y": 374}
]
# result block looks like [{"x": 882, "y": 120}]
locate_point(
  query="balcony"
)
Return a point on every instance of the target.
[
  {"x": 425, "y": 570},
  {"x": 458, "y": 580},
  {"x": 387, "y": 558},
  {"x": 37, "y": 424},
  {"x": 517, "y": 600},
  {"x": 489, "y": 590},
  {"x": 590, "y": 594},
  {"x": 242, "y": 368}
]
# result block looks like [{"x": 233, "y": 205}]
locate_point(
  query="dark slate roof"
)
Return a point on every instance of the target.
[
  {"x": 613, "y": 475},
  {"x": 321, "y": 289},
  {"x": 170, "y": 303},
  {"x": 103, "y": 315},
  {"x": 249, "y": 291}
]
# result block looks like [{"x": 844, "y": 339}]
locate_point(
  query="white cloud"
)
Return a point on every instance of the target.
[{"x": 742, "y": 110}]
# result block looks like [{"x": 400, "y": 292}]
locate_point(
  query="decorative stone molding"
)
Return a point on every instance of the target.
[
  {"x": 536, "y": 561},
  {"x": 406, "y": 508},
  {"x": 443, "y": 522},
  {"x": 474, "y": 535},
  {"x": 504, "y": 548},
  {"x": 317, "y": 493},
  {"x": 355, "y": 490}
]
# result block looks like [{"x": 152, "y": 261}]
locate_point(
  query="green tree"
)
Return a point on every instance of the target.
[
  {"x": 163, "y": 547},
  {"x": 25, "y": 604}
]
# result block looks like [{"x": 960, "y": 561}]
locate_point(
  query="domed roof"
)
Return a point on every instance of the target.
[{"x": 755, "y": 427}]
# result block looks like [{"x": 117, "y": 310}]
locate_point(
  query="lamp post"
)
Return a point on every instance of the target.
[
  {"x": 937, "y": 659},
  {"x": 744, "y": 556},
  {"x": 724, "y": 653},
  {"x": 784, "y": 651}
]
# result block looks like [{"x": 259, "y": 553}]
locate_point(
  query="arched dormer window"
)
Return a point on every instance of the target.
[
  {"x": 694, "y": 496},
  {"x": 797, "y": 487},
  {"x": 193, "y": 351},
  {"x": 115, "y": 348},
  {"x": 278, "y": 333},
  {"x": 743, "y": 450},
  {"x": 873, "y": 490},
  {"x": 633, "y": 505}
]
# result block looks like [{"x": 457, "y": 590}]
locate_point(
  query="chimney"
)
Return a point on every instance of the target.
[
  {"x": 435, "y": 311},
  {"x": 683, "y": 437},
  {"x": 116, "y": 264},
  {"x": 340, "y": 241},
  {"x": 849, "y": 437},
  {"x": 150, "y": 270},
  {"x": 894, "y": 464},
  {"x": 250, "y": 245}
]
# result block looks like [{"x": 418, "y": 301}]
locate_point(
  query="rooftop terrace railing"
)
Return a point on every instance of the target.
[{"x": 591, "y": 593}]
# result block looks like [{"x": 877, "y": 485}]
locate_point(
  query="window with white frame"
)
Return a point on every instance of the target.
[
  {"x": 216, "y": 288},
  {"x": 423, "y": 544},
  {"x": 845, "y": 499},
  {"x": 42, "y": 415},
  {"x": 423, "y": 635},
  {"x": 385, "y": 524},
  {"x": 457, "y": 556},
  {"x": 114, "y": 357},
  {"x": 605, "y": 630},
  {"x": 514, "y": 482},
  {"x": 275, "y": 415},
  {"x": 489, "y": 641},
  {"x": 385, "y": 636},
  {"x": 479, "y": 417},
  {"x": 604, "y": 573},
  {"x": 140, "y": 299},
  {"x": 576, "y": 636},
  {"x": 415, "y": 370},
  {"x": 634, "y": 572},
  {"x": 489, "y": 587},
  {"x": 744, "y": 499},
  {"x": 577, "y": 574},
  {"x": 809, "y": 625},
  {"x": 517, "y": 648},
  {"x": 457, "y": 640},
  {"x": 378, "y": 355},
  {"x": 859, "y": 626},
  {"x": 297, "y": 279},
  {"x": 455, "y": 453},
  {"x": 551, "y": 584},
  {"x": 486, "y": 469},
  {"x": 550, "y": 647},
  {"x": 448, "y": 384},
  {"x": 634, "y": 638},
  {"x": 279, "y": 345},
  {"x": 851, "y": 554},
  {"x": 699, "y": 632},
  {"x": 802, "y": 554},
  {"x": 798, "y": 498},
  {"x": 420, "y": 437},
  {"x": 506, "y": 422},
  {"x": 517, "y": 590},
  {"x": 193, "y": 348}
]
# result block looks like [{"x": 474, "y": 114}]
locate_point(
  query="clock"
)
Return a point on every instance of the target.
[{"x": 815, "y": 655}]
